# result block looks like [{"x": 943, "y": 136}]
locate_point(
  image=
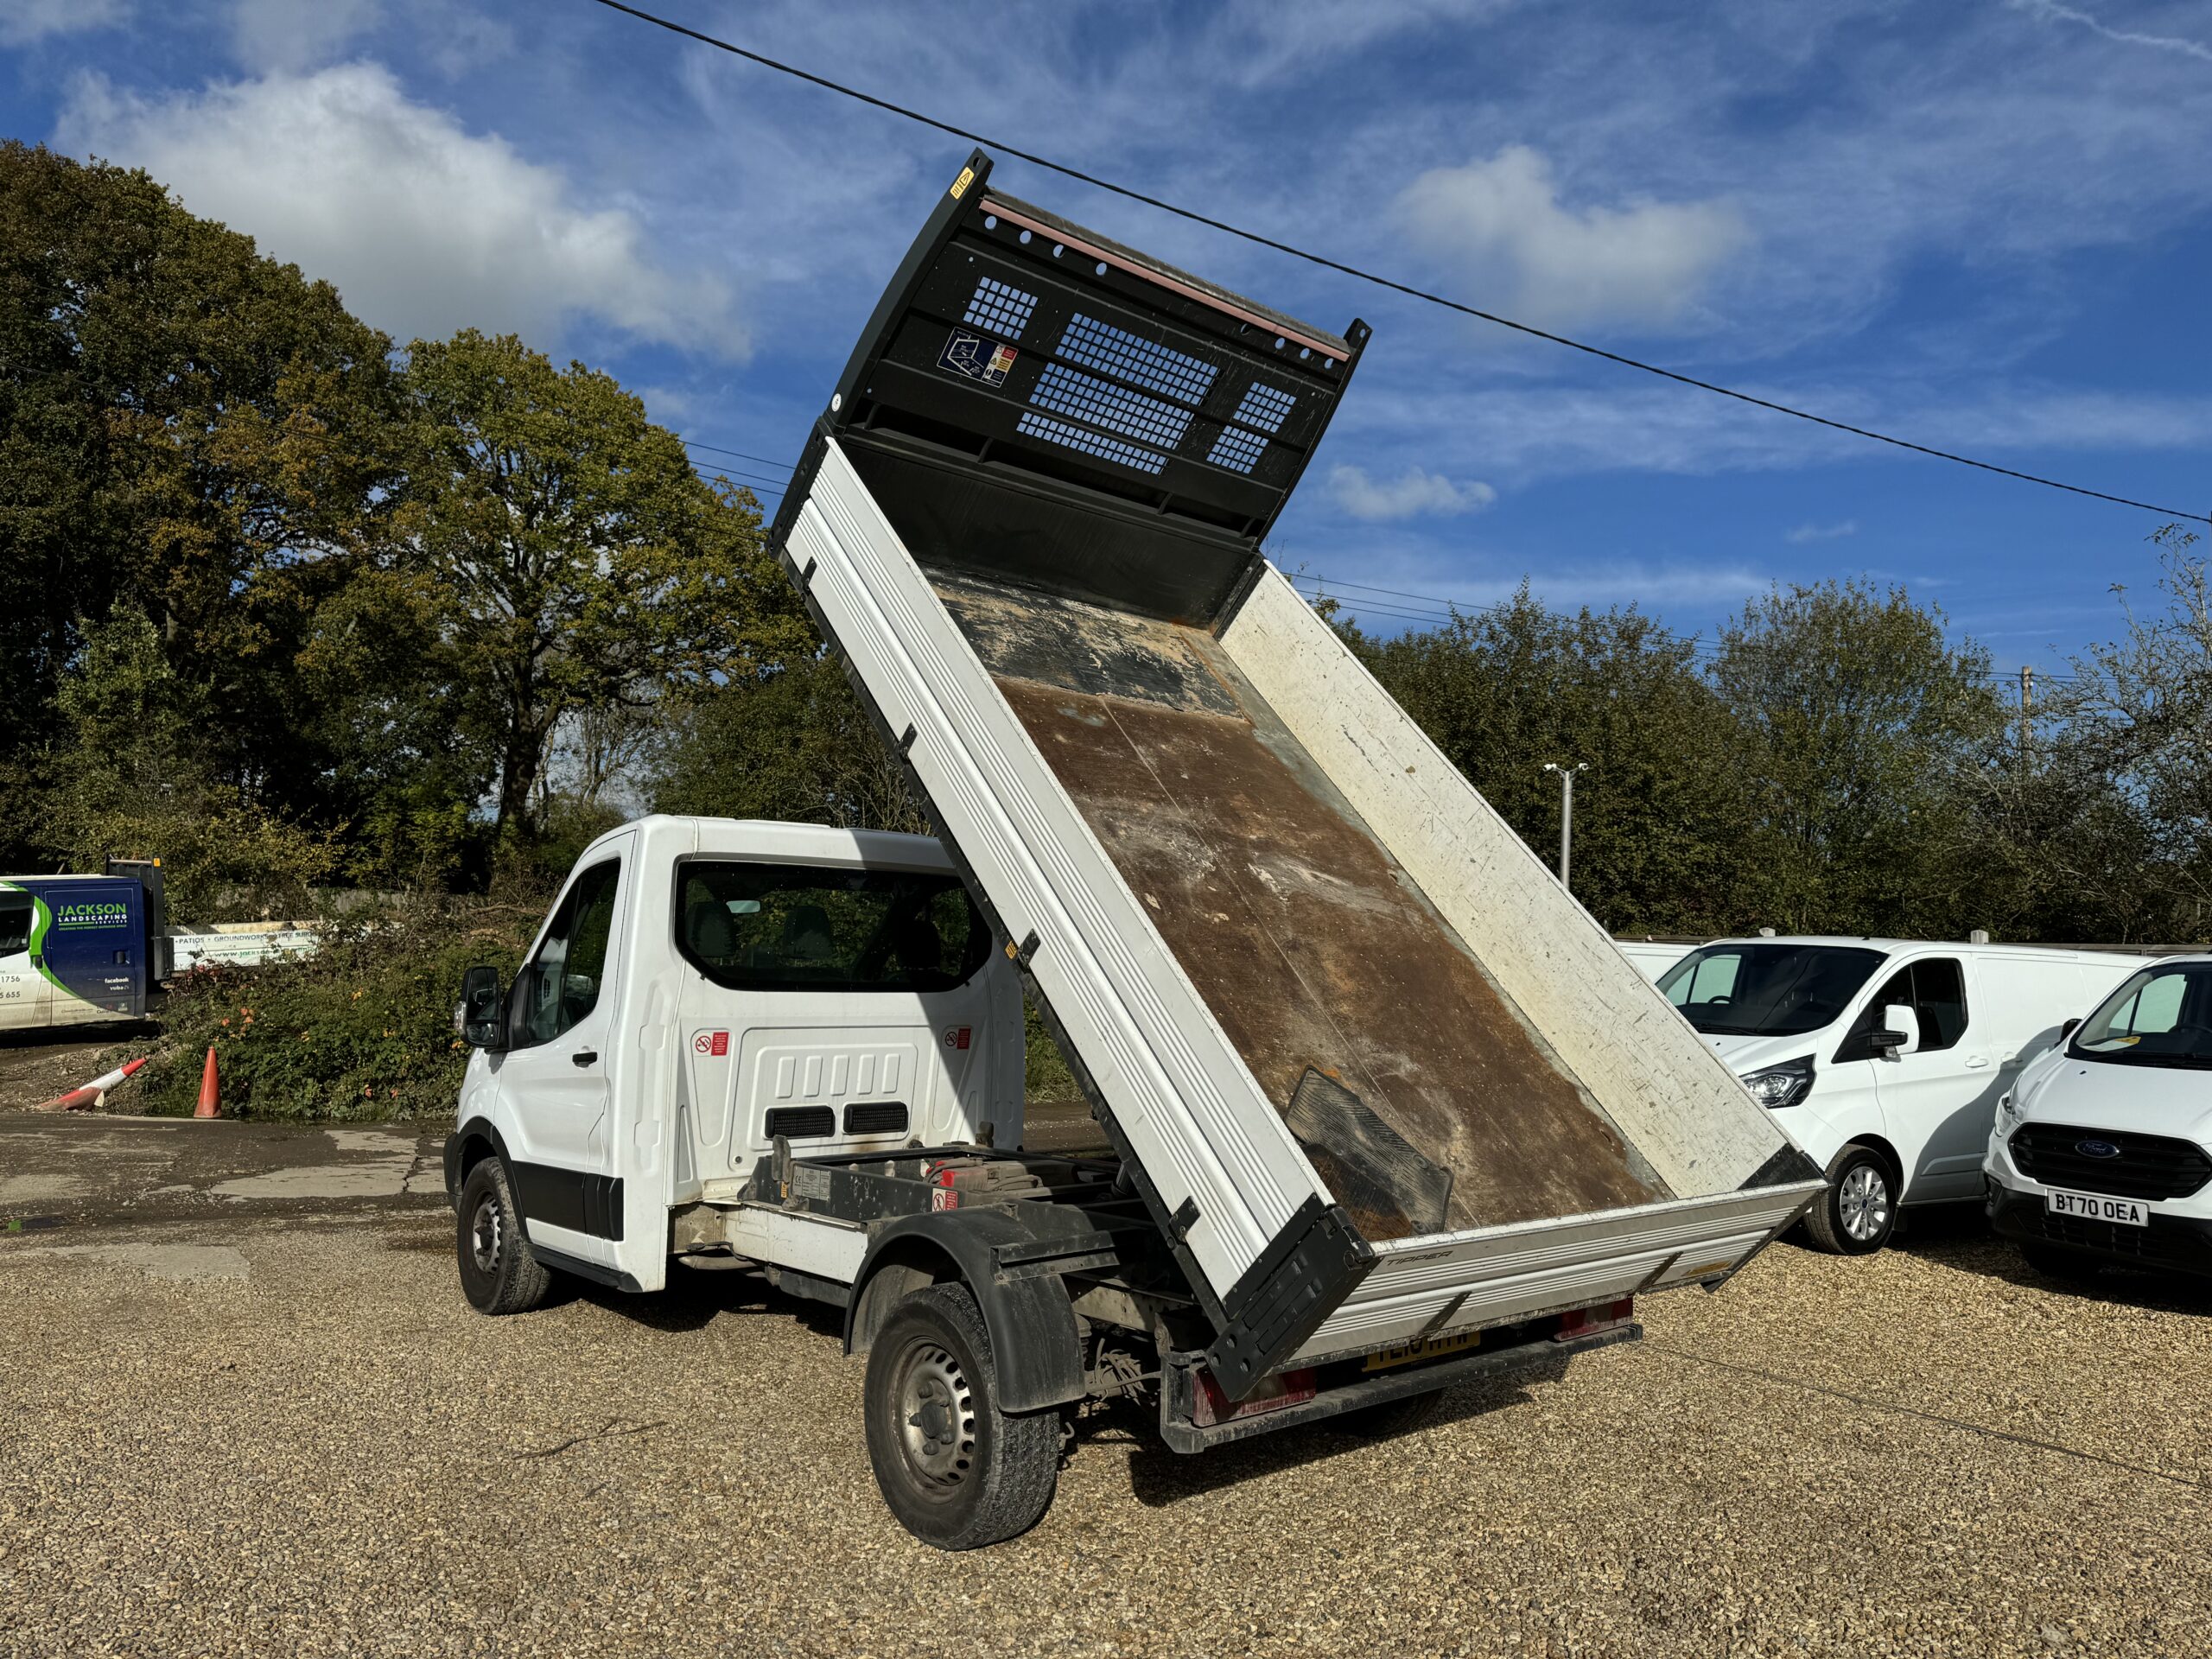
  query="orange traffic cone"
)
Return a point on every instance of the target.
[{"x": 210, "y": 1095}]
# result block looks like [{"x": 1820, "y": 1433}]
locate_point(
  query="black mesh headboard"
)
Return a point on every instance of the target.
[{"x": 1032, "y": 399}]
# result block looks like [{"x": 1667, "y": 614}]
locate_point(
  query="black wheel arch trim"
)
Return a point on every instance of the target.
[
  {"x": 581, "y": 1201},
  {"x": 1035, "y": 1346}
]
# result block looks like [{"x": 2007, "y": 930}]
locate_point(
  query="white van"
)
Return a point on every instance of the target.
[
  {"x": 1887, "y": 1057},
  {"x": 1653, "y": 958},
  {"x": 2101, "y": 1154}
]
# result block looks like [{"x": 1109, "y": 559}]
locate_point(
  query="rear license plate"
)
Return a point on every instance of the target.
[
  {"x": 2090, "y": 1206},
  {"x": 1423, "y": 1348}
]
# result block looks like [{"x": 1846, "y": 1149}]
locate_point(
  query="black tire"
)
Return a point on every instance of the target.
[
  {"x": 1857, "y": 1213},
  {"x": 500, "y": 1273},
  {"x": 2056, "y": 1262},
  {"x": 1393, "y": 1417},
  {"x": 956, "y": 1471}
]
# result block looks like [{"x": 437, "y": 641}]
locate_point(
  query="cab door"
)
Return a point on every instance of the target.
[
  {"x": 554, "y": 1079},
  {"x": 26, "y": 996},
  {"x": 1933, "y": 1099}
]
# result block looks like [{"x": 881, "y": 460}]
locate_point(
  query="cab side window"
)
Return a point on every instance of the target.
[
  {"x": 1935, "y": 990},
  {"x": 15, "y": 923},
  {"x": 563, "y": 981}
]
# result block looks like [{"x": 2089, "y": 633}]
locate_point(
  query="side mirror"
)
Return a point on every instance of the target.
[
  {"x": 2067, "y": 1030},
  {"x": 1898, "y": 1034},
  {"x": 478, "y": 1019}
]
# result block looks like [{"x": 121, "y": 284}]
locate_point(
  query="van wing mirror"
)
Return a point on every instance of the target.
[
  {"x": 2067, "y": 1030},
  {"x": 1898, "y": 1034},
  {"x": 480, "y": 1019}
]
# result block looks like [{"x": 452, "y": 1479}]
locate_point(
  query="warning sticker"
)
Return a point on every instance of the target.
[
  {"x": 715, "y": 1043},
  {"x": 976, "y": 358}
]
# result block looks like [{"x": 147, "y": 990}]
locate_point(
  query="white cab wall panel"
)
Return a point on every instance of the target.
[{"x": 1180, "y": 1092}]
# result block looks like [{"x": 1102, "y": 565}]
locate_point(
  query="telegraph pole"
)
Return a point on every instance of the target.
[
  {"x": 2027, "y": 702},
  {"x": 1566, "y": 817}
]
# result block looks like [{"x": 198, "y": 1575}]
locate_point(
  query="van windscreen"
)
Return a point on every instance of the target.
[
  {"x": 784, "y": 927},
  {"x": 2161, "y": 1016},
  {"x": 1767, "y": 991}
]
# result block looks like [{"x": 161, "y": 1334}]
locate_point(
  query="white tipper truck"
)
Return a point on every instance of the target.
[{"x": 1387, "y": 1108}]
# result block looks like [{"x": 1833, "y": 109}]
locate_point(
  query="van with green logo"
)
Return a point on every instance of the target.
[{"x": 79, "y": 949}]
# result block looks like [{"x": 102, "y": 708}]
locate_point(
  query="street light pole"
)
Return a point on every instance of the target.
[{"x": 1566, "y": 817}]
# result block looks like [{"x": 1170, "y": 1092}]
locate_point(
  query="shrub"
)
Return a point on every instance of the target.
[{"x": 361, "y": 1030}]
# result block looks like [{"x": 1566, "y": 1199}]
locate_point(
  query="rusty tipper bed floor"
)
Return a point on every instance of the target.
[{"x": 1314, "y": 950}]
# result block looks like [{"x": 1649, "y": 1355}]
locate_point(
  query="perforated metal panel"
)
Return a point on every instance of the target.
[{"x": 1012, "y": 344}]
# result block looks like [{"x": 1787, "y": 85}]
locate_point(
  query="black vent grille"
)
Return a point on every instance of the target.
[
  {"x": 876, "y": 1117},
  {"x": 2145, "y": 1167},
  {"x": 802, "y": 1122}
]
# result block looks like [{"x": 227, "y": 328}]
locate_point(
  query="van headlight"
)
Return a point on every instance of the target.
[
  {"x": 1782, "y": 1086},
  {"x": 2009, "y": 1111}
]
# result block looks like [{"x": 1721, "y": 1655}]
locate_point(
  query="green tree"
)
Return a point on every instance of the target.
[
  {"x": 1658, "y": 815},
  {"x": 2123, "y": 783},
  {"x": 1861, "y": 729},
  {"x": 791, "y": 744},
  {"x": 567, "y": 556},
  {"x": 129, "y": 782},
  {"x": 185, "y": 427}
]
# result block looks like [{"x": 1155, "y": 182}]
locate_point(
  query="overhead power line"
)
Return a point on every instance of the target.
[
  {"x": 1379, "y": 280},
  {"x": 716, "y": 449}
]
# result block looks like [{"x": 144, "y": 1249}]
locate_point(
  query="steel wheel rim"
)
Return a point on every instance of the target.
[
  {"x": 936, "y": 1415},
  {"x": 1863, "y": 1201},
  {"x": 486, "y": 1234}
]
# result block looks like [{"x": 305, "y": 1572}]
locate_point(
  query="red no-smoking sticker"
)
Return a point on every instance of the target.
[
  {"x": 711, "y": 1042},
  {"x": 956, "y": 1036}
]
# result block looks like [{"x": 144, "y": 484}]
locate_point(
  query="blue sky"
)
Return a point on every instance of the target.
[{"x": 1986, "y": 225}]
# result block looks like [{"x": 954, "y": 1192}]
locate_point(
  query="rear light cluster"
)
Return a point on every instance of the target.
[
  {"x": 1588, "y": 1321},
  {"x": 1288, "y": 1389}
]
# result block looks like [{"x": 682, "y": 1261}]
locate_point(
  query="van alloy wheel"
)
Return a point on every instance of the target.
[
  {"x": 1857, "y": 1213},
  {"x": 1863, "y": 1196}
]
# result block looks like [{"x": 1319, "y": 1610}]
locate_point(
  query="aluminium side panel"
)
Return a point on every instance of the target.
[
  {"x": 1661, "y": 1084},
  {"x": 1211, "y": 1144}
]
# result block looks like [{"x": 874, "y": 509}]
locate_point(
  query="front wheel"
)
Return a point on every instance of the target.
[
  {"x": 956, "y": 1471},
  {"x": 500, "y": 1273},
  {"x": 1857, "y": 1213}
]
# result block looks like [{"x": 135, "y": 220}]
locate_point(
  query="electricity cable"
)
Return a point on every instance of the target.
[{"x": 1377, "y": 280}]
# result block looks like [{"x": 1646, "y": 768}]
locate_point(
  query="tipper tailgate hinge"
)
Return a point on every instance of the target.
[{"x": 1302, "y": 1278}]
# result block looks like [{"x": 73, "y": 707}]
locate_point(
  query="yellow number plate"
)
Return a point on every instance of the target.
[{"x": 1427, "y": 1348}]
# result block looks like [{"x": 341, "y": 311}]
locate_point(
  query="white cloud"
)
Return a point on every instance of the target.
[
  {"x": 2053, "y": 11},
  {"x": 25, "y": 22},
  {"x": 1812, "y": 532},
  {"x": 1501, "y": 221},
  {"x": 424, "y": 227},
  {"x": 1413, "y": 494},
  {"x": 288, "y": 35}
]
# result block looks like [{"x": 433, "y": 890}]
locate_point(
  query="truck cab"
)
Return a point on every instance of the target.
[{"x": 703, "y": 988}]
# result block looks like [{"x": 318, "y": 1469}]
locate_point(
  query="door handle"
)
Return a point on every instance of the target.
[
  {"x": 1977, "y": 1062},
  {"x": 584, "y": 1056}
]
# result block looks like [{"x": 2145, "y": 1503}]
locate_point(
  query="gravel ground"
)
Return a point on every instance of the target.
[{"x": 286, "y": 1435}]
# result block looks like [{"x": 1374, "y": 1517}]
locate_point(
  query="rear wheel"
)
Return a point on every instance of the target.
[
  {"x": 956, "y": 1471},
  {"x": 1857, "y": 1213},
  {"x": 2056, "y": 1262},
  {"x": 500, "y": 1273}
]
